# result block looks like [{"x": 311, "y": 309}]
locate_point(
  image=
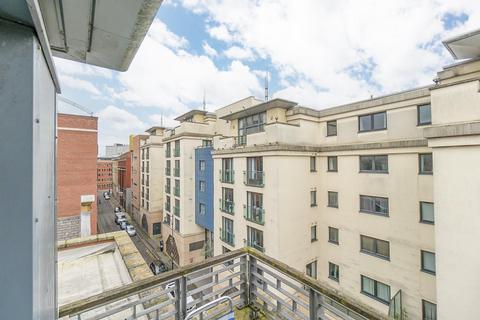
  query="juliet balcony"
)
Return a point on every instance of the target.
[
  {"x": 254, "y": 214},
  {"x": 256, "y": 285},
  {"x": 227, "y": 206},
  {"x": 227, "y": 176},
  {"x": 254, "y": 178}
]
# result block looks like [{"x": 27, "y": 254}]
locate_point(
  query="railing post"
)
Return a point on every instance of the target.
[
  {"x": 245, "y": 270},
  {"x": 313, "y": 304},
  {"x": 183, "y": 296}
]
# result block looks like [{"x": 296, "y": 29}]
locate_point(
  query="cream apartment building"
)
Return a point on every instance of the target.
[
  {"x": 152, "y": 179},
  {"x": 184, "y": 238}
]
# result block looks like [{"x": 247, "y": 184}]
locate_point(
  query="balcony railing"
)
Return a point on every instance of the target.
[
  {"x": 240, "y": 140},
  {"x": 227, "y": 176},
  {"x": 176, "y": 191},
  {"x": 250, "y": 278},
  {"x": 256, "y": 245},
  {"x": 227, "y": 206},
  {"x": 176, "y": 211},
  {"x": 167, "y": 171},
  {"x": 254, "y": 214},
  {"x": 176, "y": 172},
  {"x": 176, "y": 152},
  {"x": 227, "y": 236},
  {"x": 254, "y": 178}
]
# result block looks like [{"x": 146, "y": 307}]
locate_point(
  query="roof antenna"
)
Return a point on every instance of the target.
[
  {"x": 204, "y": 101},
  {"x": 266, "y": 80}
]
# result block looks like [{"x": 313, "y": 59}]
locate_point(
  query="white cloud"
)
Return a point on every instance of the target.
[
  {"x": 70, "y": 67},
  {"x": 78, "y": 84},
  {"x": 120, "y": 119},
  {"x": 174, "y": 80},
  {"x": 338, "y": 51},
  {"x": 159, "y": 120},
  {"x": 239, "y": 53},
  {"x": 209, "y": 51},
  {"x": 160, "y": 33}
]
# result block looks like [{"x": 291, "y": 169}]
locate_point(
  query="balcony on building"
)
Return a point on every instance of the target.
[
  {"x": 176, "y": 191},
  {"x": 254, "y": 214},
  {"x": 227, "y": 206},
  {"x": 250, "y": 283},
  {"x": 227, "y": 176},
  {"x": 254, "y": 178},
  {"x": 227, "y": 236}
]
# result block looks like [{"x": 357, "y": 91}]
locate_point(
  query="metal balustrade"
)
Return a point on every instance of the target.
[
  {"x": 227, "y": 206},
  {"x": 240, "y": 140},
  {"x": 227, "y": 176},
  {"x": 254, "y": 214},
  {"x": 254, "y": 178},
  {"x": 249, "y": 278}
]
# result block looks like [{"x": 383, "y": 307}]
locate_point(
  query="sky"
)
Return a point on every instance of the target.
[{"x": 318, "y": 53}]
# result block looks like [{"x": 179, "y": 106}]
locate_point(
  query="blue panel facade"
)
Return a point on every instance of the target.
[{"x": 204, "y": 187}]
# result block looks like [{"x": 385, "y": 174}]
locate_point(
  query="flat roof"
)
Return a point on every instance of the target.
[
  {"x": 274, "y": 103},
  {"x": 152, "y": 129},
  {"x": 189, "y": 114},
  {"x": 464, "y": 46}
]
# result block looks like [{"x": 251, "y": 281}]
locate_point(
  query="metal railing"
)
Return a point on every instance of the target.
[
  {"x": 176, "y": 191},
  {"x": 227, "y": 236},
  {"x": 246, "y": 276},
  {"x": 240, "y": 140},
  {"x": 254, "y": 178},
  {"x": 176, "y": 172},
  {"x": 227, "y": 206},
  {"x": 227, "y": 176},
  {"x": 254, "y": 214}
]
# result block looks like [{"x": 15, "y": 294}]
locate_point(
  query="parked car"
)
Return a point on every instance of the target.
[
  {"x": 119, "y": 215},
  {"x": 117, "y": 209},
  {"x": 123, "y": 225},
  {"x": 106, "y": 196},
  {"x": 157, "y": 268},
  {"x": 171, "y": 295},
  {"x": 131, "y": 230},
  {"x": 121, "y": 220}
]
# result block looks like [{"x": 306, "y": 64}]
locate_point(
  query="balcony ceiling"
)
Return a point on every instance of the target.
[{"x": 464, "y": 46}]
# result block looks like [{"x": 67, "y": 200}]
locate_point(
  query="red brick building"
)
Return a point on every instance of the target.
[
  {"x": 104, "y": 174},
  {"x": 76, "y": 176},
  {"x": 122, "y": 168}
]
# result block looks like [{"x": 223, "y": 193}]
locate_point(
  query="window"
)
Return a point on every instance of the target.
[
  {"x": 201, "y": 185},
  {"x": 254, "y": 174},
  {"x": 331, "y": 128},
  {"x": 375, "y": 289},
  {"x": 333, "y": 235},
  {"x": 227, "y": 204},
  {"x": 206, "y": 143},
  {"x": 376, "y": 247},
  {"x": 426, "y": 212},
  {"x": 333, "y": 271},
  {"x": 251, "y": 124},
  {"x": 196, "y": 245},
  {"x": 226, "y": 232},
  {"x": 425, "y": 163},
  {"x": 424, "y": 114},
  {"x": 255, "y": 238},
  {"x": 311, "y": 269},
  {"x": 201, "y": 165},
  {"x": 177, "y": 225},
  {"x": 313, "y": 198},
  {"x": 313, "y": 164},
  {"x": 376, "y": 205},
  {"x": 333, "y": 199},
  {"x": 201, "y": 208},
  {"x": 429, "y": 310},
  {"x": 378, "y": 164},
  {"x": 313, "y": 233},
  {"x": 332, "y": 164},
  {"x": 428, "y": 262},
  {"x": 372, "y": 122}
]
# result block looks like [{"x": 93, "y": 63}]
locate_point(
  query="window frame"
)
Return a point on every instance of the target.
[
  {"x": 373, "y": 156},
  {"x": 313, "y": 164},
  {"x": 423, "y": 309},
  {"x": 337, "y": 278},
  {"x": 420, "y": 172},
  {"x": 422, "y": 220},
  {"x": 375, "y": 295},
  {"x": 312, "y": 266},
  {"x": 338, "y": 235},
  {"x": 387, "y": 214},
  {"x": 422, "y": 267},
  {"x": 328, "y": 199},
  {"x": 372, "y": 116},
  {"x": 375, "y": 252},
  {"x": 313, "y": 233},
  {"x": 336, "y": 132},
  {"x": 418, "y": 115},
  {"x": 328, "y": 163},
  {"x": 313, "y": 198}
]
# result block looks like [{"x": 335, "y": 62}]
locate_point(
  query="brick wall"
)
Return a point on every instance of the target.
[
  {"x": 68, "y": 228},
  {"x": 76, "y": 166}
]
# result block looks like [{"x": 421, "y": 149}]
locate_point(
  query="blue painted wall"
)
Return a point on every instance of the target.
[{"x": 206, "y": 197}]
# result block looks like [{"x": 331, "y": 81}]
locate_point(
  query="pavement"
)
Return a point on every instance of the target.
[{"x": 148, "y": 248}]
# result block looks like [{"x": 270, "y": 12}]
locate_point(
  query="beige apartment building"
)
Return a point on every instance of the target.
[
  {"x": 185, "y": 239},
  {"x": 373, "y": 198},
  {"x": 135, "y": 141},
  {"x": 152, "y": 160}
]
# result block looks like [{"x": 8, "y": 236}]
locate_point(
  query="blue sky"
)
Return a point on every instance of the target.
[{"x": 319, "y": 54}]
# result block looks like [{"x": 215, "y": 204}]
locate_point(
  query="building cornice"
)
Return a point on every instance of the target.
[
  {"x": 188, "y": 135},
  {"x": 452, "y": 130},
  {"x": 334, "y": 148}
]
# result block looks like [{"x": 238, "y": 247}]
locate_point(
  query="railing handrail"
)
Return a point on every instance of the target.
[{"x": 210, "y": 305}]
